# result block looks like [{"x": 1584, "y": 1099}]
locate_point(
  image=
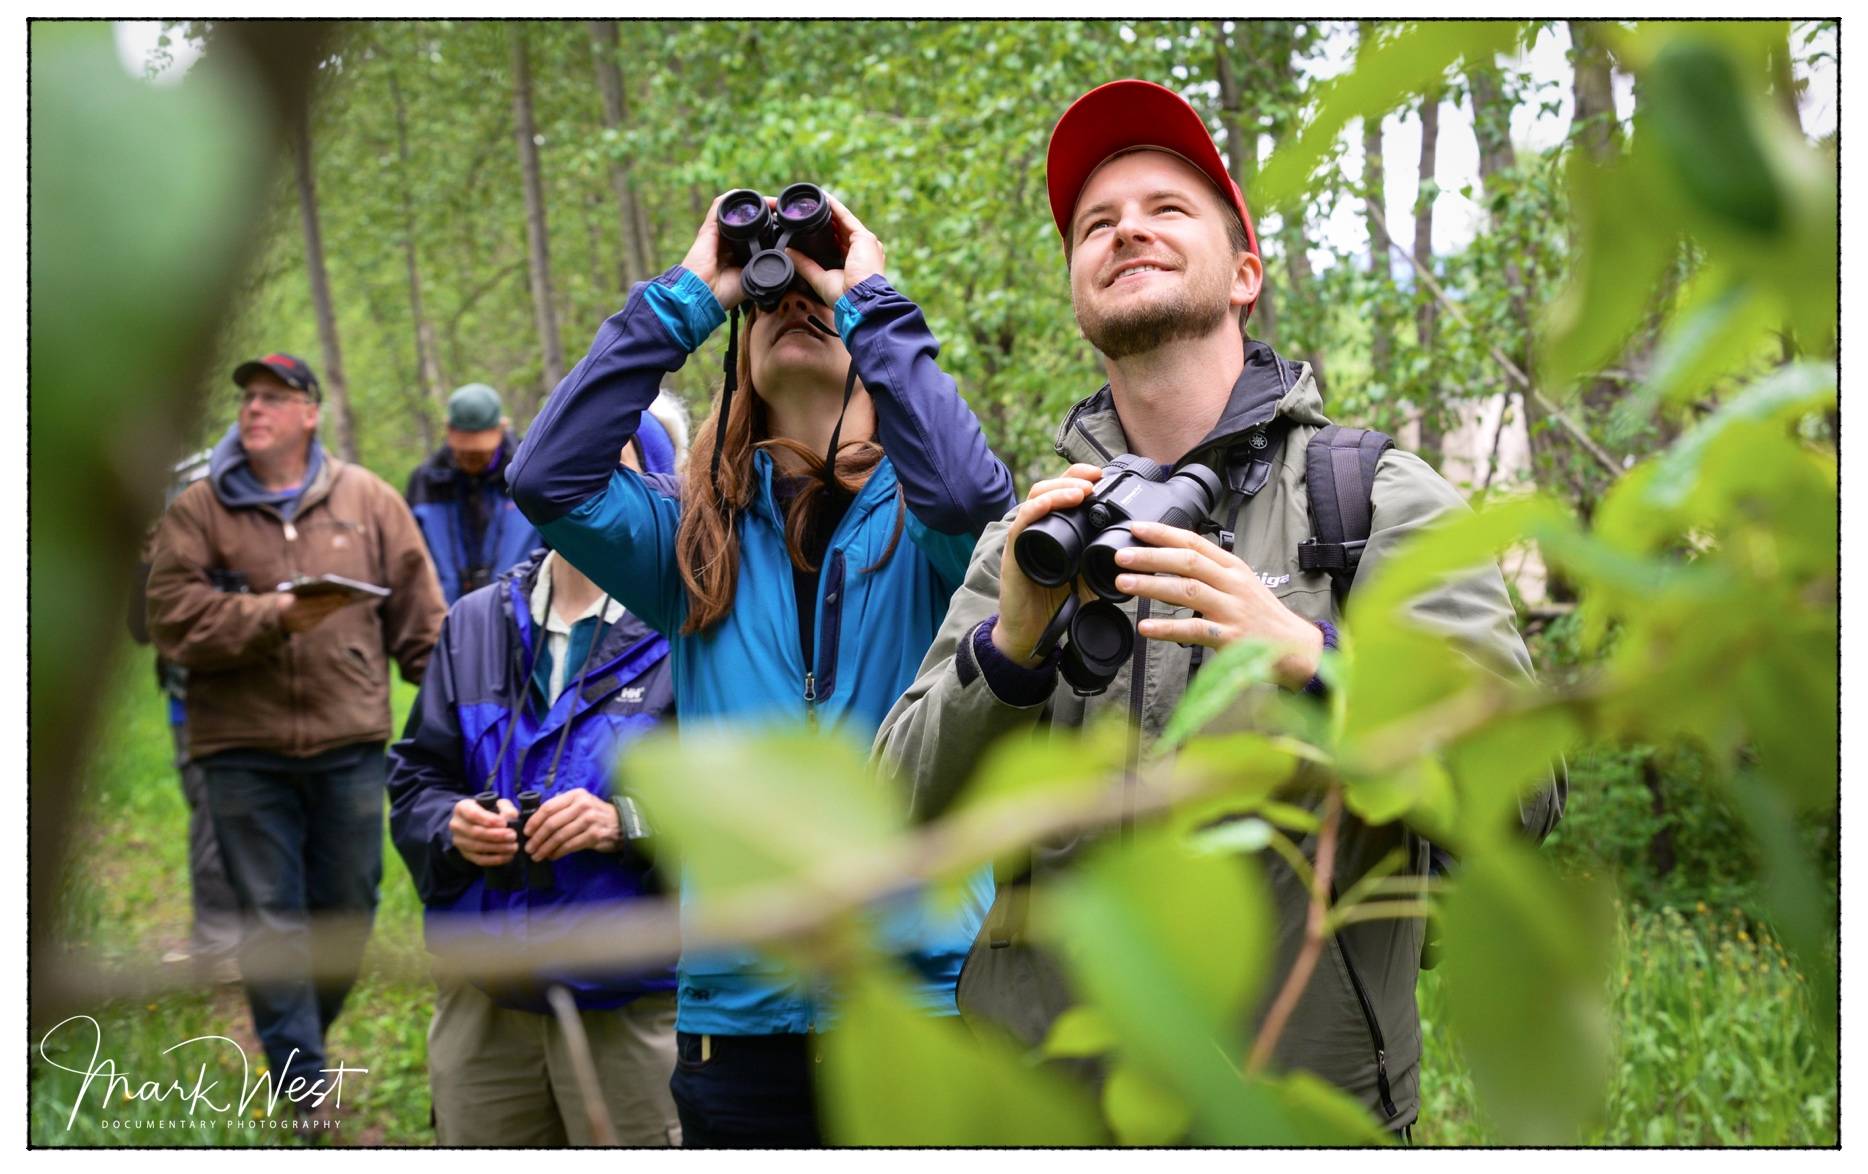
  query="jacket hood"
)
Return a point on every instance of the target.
[
  {"x": 236, "y": 485},
  {"x": 1270, "y": 387}
]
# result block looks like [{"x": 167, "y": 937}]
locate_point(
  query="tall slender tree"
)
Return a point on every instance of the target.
[
  {"x": 427, "y": 356},
  {"x": 1282, "y": 57},
  {"x": 551, "y": 349},
  {"x": 1593, "y": 91},
  {"x": 1242, "y": 154},
  {"x": 632, "y": 262},
  {"x": 336, "y": 390},
  {"x": 1381, "y": 266},
  {"x": 1432, "y": 412}
]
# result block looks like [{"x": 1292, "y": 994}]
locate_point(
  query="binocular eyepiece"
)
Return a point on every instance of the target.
[
  {"x": 521, "y": 872},
  {"x": 1083, "y": 540},
  {"x": 757, "y": 233}
]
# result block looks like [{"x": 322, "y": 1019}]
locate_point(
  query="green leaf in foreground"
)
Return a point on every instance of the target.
[
  {"x": 1140, "y": 1111},
  {"x": 894, "y": 1075},
  {"x": 1526, "y": 964},
  {"x": 744, "y": 808},
  {"x": 1236, "y": 668}
]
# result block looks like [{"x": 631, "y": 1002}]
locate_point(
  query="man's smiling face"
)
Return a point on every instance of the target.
[{"x": 1150, "y": 258}]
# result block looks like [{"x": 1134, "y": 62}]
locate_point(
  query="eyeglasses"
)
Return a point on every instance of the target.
[{"x": 272, "y": 399}]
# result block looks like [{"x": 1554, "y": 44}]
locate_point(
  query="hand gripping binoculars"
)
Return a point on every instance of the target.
[
  {"x": 1083, "y": 540},
  {"x": 757, "y": 233},
  {"x": 521, "y": 872}
]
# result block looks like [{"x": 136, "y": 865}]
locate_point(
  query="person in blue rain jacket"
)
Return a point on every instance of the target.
[
  {"x": 540, "y": 680},
  {"x": 800, "y": 570}
]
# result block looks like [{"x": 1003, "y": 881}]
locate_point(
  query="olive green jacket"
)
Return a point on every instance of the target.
[{"x": 1357, "y": 1024}]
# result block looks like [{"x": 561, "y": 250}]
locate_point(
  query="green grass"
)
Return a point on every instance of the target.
[
  {"x": 126, "y": 898},
  {"x": 1714, "y": 1043}
]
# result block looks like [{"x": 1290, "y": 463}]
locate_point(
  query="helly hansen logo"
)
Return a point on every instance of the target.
[{"x": 632, "y": 695}]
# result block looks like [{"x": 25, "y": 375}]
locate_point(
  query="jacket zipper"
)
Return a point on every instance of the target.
[
  {"x": 826, "y": 612},
  {"x": 1374, "y": 1024},
  {"x": 291, "y": 641}
]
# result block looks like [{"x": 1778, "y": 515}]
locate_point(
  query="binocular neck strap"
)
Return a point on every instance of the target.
[
  {"x": 516, "y": 708},
  {"x": 728, "y": 384},
  {"x": 836, "y": 434}
]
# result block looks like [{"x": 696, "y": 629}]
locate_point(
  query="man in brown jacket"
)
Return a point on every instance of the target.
[{"x": 288, "y": 696}]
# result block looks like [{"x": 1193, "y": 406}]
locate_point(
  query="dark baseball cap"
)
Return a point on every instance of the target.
[
  {"x": 474, "y": 407},
  {"x": 1123, "y": 116},
  {"x": 290, "y": 370}
]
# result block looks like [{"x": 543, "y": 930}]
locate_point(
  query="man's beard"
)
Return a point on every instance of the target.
[{"x": 1134, "y": 329}]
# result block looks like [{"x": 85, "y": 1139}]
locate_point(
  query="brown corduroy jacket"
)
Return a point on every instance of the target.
[{"x": 252, "y": 685}]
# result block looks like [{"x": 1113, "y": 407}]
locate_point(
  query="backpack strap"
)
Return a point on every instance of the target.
[{"x": 1339, "y": 475}]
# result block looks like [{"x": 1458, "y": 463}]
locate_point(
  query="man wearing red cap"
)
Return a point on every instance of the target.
[{"x": 1164, "y": 271}]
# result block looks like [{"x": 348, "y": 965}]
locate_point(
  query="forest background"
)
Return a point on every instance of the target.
[{"x": 466, "y": 201}]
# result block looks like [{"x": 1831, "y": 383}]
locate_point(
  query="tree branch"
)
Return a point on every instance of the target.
[{"x": 1315, "y": 930}]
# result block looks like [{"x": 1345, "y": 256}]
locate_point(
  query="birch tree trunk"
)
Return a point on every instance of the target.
[{"x": 1432, "y": 409}]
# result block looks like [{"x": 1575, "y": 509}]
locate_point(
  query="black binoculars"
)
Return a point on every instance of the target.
[
  {"x": 757, "y": 234},
  {"x": 1083, "y": 540},
  {"x": 521, "y": 872},
  {"x": 1053, "y": 551}
]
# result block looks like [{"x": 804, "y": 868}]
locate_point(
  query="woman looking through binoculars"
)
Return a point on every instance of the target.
[{"x": 800, "y": 569}]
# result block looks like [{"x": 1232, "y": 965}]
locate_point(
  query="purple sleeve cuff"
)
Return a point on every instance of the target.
[
  {"x": 1009, "y": 681},
  {"x": 1315, "y": 686}
]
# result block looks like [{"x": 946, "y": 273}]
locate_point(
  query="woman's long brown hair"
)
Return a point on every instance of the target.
[{"x": 707, "y": 540}]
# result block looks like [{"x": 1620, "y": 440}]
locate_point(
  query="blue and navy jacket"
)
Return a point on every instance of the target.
[
  {"x": 439, "y": 496},
  {"x": 873, "y": 627},
  {"x": 477, "y": 685}
]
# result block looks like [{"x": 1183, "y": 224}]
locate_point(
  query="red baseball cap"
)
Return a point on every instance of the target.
[{"x": 1121, "y": 116}]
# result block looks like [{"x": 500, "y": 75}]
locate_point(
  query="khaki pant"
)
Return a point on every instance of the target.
[{"x": 504, "y": 1078}]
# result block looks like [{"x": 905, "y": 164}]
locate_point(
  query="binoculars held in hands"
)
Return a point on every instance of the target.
[
  {"x": 521, "y": 872},
  {"x": 757, "y": 234},
  {"x": 1083, "y": 540}
]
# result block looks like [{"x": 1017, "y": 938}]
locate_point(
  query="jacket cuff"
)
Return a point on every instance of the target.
[
  {"x": 686, "y": 307},
  {"x": 1315, "y": 686},
  {"x": 1011, "y": 682},
  {"x": 856, "y": 301}
]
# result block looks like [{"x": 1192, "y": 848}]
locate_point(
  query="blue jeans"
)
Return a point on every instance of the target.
[
  {"x": 298, "y": 840},
  {"x": 750, "y": 1091},
  {"x": 216, "y": 932}
]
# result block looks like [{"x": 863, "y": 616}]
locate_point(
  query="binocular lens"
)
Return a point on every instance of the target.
[
  {"x": 1043, "y": 558},
  {"x": 1099, "y": 561},
  {"x": 800, "y": 208},
  {"x": 742, "y": 209},
  {"x": 803, "y": 207}
]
